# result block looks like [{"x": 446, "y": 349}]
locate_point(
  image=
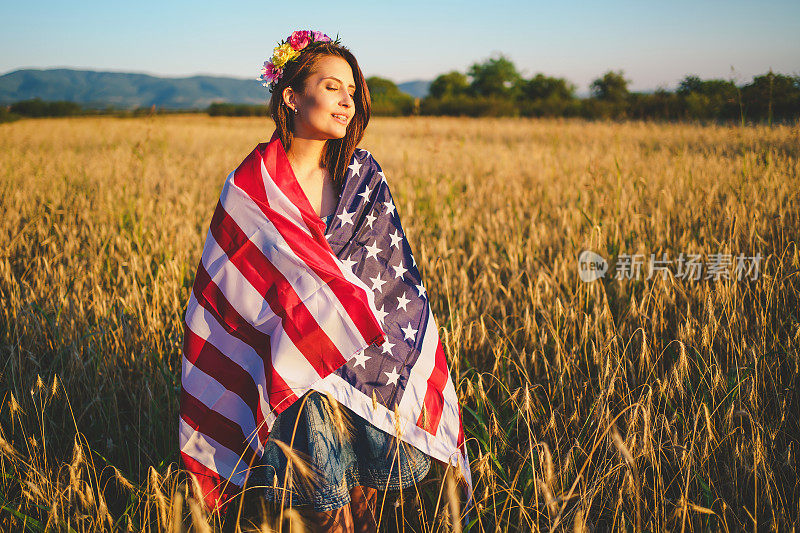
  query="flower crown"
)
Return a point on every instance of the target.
[{"x": 289, "y": 50}]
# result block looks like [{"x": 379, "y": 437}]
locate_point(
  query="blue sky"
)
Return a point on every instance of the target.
[{"x": 655, "y": 43}]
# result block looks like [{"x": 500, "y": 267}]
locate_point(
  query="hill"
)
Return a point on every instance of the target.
[{"x": 129, "y": 90}]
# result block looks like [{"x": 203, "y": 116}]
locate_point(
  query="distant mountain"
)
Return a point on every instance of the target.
[
  {"x": 127, "y": 91},
  {"x": 124, "y": 90},
  {"x": 416, "y": 88}
]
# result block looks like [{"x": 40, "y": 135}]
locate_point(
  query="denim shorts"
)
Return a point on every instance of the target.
[{"x": 363, "y": 455}]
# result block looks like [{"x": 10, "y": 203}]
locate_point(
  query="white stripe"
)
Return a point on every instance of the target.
[
  {"x": 205, "y": 326},
  {"x": 417, "y": 387},
  {"x": 216, "y": 397},
  {"x": 211, "y": 454}
]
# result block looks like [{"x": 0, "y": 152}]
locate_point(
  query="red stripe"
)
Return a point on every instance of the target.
[
  {"x": 248, "y": 177},
  {"x": 214, "y": 425},
  {"x": 313, "y": 250},
  {"x": 217, "y": 491},
  {"x": 434, "y": 399},
  {"x": 298, "y": 323},
  {"x": 205, "y": 356},
  {"x": 211, "y": 298}
]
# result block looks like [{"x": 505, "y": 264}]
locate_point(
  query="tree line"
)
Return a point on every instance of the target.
[
  {"x": 495, "y": 88},
  {"x": 38, "y": 108}
]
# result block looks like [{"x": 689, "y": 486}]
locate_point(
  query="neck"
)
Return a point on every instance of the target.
[{"x": 305, "y": 155}]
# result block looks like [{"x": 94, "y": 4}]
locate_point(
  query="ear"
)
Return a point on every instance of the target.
[{"x": 289, "y": 98}]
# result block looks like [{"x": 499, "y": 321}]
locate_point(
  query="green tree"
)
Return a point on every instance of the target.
[
  {"x": 542, "y": 87},
  {"x": 387, "y": 98},
  {"x": 772, "y": 96},
  {"x": 709, "y": 99},
  {"x": 497, "y": 76},
  {"x": 612, "y": 87},
  {"x": 453, "y": 83}
]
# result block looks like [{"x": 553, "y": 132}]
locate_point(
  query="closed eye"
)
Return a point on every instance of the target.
[{"x": 352, "y": 95}]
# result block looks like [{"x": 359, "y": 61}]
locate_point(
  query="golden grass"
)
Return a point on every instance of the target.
[{"x": 655, "y": 404}]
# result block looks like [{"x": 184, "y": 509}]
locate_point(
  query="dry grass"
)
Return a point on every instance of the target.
[{"x": 661, "y": 405}]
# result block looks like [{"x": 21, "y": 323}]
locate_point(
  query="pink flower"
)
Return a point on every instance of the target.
[
  {"x": 299, "y": 39},
  {"x": 269, "y": 72},
  {"x": 321, "y": 37}
]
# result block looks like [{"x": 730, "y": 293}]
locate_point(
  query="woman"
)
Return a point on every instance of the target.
[
  {"x": 304, "y": 226},
  {"x": 322, "y": 96}
]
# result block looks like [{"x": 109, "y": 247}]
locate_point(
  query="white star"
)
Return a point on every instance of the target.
[
  {"x": 346, "y": 218},
  {"x": 370, "y": 219},
  {"x": 355, "y": 167},
  {"x": 349, "y": 263},
  {"x": 387, "y": 346},
  {"x": 396, "y": 239},
  {"x": 365, "y": 194},
  {"x": 408, "y": 332},
  {"x": 399, "y": 270},
  {"x": 421, "y": 289},
  {"x": 389, "y": 207},
  {"x": 380, "y": 313},
  {"x": 392, "y": 376},
  {"x": 377, "y": 283},
  {"x": 361, "y": 358},
  {"x": 373, "y": 250},
  {"x": 402, "y": 301},
  {"x": 413, "y": 260}
]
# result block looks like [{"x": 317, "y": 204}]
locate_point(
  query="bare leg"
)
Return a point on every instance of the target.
[{"x": 363, "y": 502}]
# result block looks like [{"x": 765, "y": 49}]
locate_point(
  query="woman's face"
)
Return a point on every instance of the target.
[{"x": 326, "y": 105}]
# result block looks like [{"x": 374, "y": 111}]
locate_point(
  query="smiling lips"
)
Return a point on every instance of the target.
[{"x": 341, "y": 119}]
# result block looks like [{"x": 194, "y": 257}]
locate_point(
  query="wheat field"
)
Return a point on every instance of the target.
[{"x": 662, "y": 404}]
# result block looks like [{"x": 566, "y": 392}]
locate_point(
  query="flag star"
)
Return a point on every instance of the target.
[
  {"x": 377, "y": 283},
  {"x": 387, "y": 346},
  {"x": 365, "y": 194},
  {"x": 370, "y": 219},
  {"x": 389, "y": 207},
  {"x": 399, "y": 270},
  {"x": 396, "y": 239},
  {"x": 414, "y": 261},
  {"x": 373, "y": 250},
  {"x": 380, "y": 313},
  {"x": 392, "y": 376},
  {"x": 346, "y": 218},
  {"x": 361, "y": 358},
  {"x": 421, "y": 290},
  {"x": 402, "y": 301},
  {"x": 355, "y": 167},
  {"x": 408, "y": 332},
  {"x": 349, "y": 263}
]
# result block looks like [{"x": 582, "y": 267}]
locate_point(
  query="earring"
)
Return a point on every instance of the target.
[{"x": 296, "y": 111}]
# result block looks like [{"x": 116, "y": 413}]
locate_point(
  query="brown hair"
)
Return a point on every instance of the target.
[{"x": 338, "y": 153}]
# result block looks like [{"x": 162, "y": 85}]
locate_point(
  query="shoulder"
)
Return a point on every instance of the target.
[{"x": 365, "y": 164}]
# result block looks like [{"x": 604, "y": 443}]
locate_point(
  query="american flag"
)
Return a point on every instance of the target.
[{"x": 280, "y": 306}]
